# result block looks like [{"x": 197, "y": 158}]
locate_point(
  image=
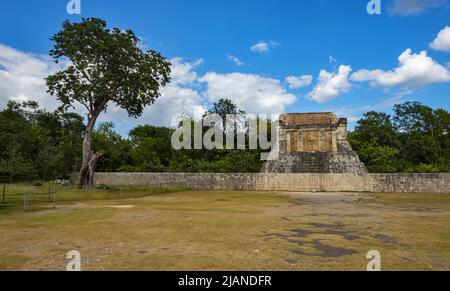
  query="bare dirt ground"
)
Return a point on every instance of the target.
[
  {"x": 329, "y": 197},
  {"x": 227, "y": 230}
]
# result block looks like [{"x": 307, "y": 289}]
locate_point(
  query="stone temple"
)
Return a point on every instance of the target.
[{"x": 314, "y": 143}]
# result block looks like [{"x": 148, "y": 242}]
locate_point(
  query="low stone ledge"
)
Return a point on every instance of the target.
[{"x": 387, "y": 183}]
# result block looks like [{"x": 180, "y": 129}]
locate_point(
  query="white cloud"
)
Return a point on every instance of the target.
[
  {"x": 174, "y": 101},
  {"x": 414, "y": 71},
  {"x": 442, "y": 41},
  {"x": 331, "y": 85},
  {"x": 299, "y": 82},
  {"x": 413, "y": 7},
  {"x": 235, "y": 60},
  {"x": 180, "y": 96},
  {"x": 264, "y": 46},
  {"x": 252, "y": 93},
  {"x": 260, "y": 47},
  {"x": 22, "y": 77},
  {"x": 183, "y": 72}
]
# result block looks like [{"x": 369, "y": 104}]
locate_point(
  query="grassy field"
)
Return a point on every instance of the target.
[
  {"x": 49, "y": 194},
  {"x": 226, "y": 230}
]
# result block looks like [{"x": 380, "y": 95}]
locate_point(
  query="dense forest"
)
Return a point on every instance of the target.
[
  {"x": 415, "y": 139},
  {"x": 36, "y": 144}
]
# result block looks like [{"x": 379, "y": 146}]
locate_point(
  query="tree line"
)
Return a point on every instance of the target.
[
  {"x": 36, "y": 144},
  {"x": 414, "y": 139}
]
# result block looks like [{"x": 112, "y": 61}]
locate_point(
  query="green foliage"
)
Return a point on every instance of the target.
[
  {"x": 415, "y": 139},
  {"x": 38, "y": 144},
  {"x": 422, "y": 168},
  {"x": 224, "y": 107},
  {"x": 105, "y": 65},
  {"x": 37, "y": 184},
  {"x": 149, "y": 149},
  {"x": 115, "y": 148},
  {"x": 379, "y": 159},
  {"x": 35, "y": 144}
]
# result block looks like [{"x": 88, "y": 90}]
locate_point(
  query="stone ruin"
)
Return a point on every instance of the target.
[{"x": 314, "y": 143}]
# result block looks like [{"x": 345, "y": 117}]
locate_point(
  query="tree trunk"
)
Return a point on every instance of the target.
[
  {"x": 87, "y": 154},
  {"x": 89, "y": 157},
  {"x": 92, "y": 165}
]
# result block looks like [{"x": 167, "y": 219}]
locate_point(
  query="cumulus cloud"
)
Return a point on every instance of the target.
[
  {"x": 331, "y": 85},
  {"x": 264, "y": 46},
  {"x": 22, "y": 77},
  {"x": 442, "y": 41},
  {"x": 174, "y": 101},
  {"x": 413, "y": 7},
  {"x": 180, "y": 96},
  {"x": 252, "y": 93},
  {"x": 235, "y": 60},
  {"x": 183, "y": 73},
  {"x": 299, "y": 82},
  {"x": 414, "y": 71}
]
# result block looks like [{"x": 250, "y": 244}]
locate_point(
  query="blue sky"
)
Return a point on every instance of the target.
[{"x": 265, "y": 55}]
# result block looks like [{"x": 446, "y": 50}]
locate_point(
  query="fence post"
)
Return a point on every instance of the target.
[
  {"x": 49, "y": 191},
  {"x": 25, "y": 201},
  {"x": 54, "y": 199},
  {"x": 4, "y": 192}
]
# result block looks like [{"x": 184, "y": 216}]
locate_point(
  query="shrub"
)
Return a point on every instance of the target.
[{"x": 37, "y": 184}]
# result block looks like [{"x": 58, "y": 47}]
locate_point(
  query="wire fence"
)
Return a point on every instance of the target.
[{"x": 49, "y": 195}]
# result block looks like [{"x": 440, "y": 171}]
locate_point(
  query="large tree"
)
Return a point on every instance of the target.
[{"x": 107, "y": 66}]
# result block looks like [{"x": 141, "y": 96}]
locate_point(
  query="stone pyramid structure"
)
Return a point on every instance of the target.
[{"x": 314, "y": 143}]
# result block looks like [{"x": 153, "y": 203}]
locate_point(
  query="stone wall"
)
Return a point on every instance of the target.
[
  {"x": 426, "y": 183},
  {"x": 192, "y": 181}
]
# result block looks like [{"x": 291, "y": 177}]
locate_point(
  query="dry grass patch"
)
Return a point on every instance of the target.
[{"x": 227, "y": 230}]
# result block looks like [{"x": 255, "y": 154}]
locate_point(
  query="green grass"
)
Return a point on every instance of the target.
[
  {"x": 230, "y": 230},
  {"x": 44, "y": 196}
]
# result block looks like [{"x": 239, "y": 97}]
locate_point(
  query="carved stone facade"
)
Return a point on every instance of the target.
[{"x": 314, "y": 143}]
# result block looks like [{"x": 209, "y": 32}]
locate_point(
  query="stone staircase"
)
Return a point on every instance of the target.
[
  {"x": 312, "y": 163},
  {"x": 307, "y": 162}
]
